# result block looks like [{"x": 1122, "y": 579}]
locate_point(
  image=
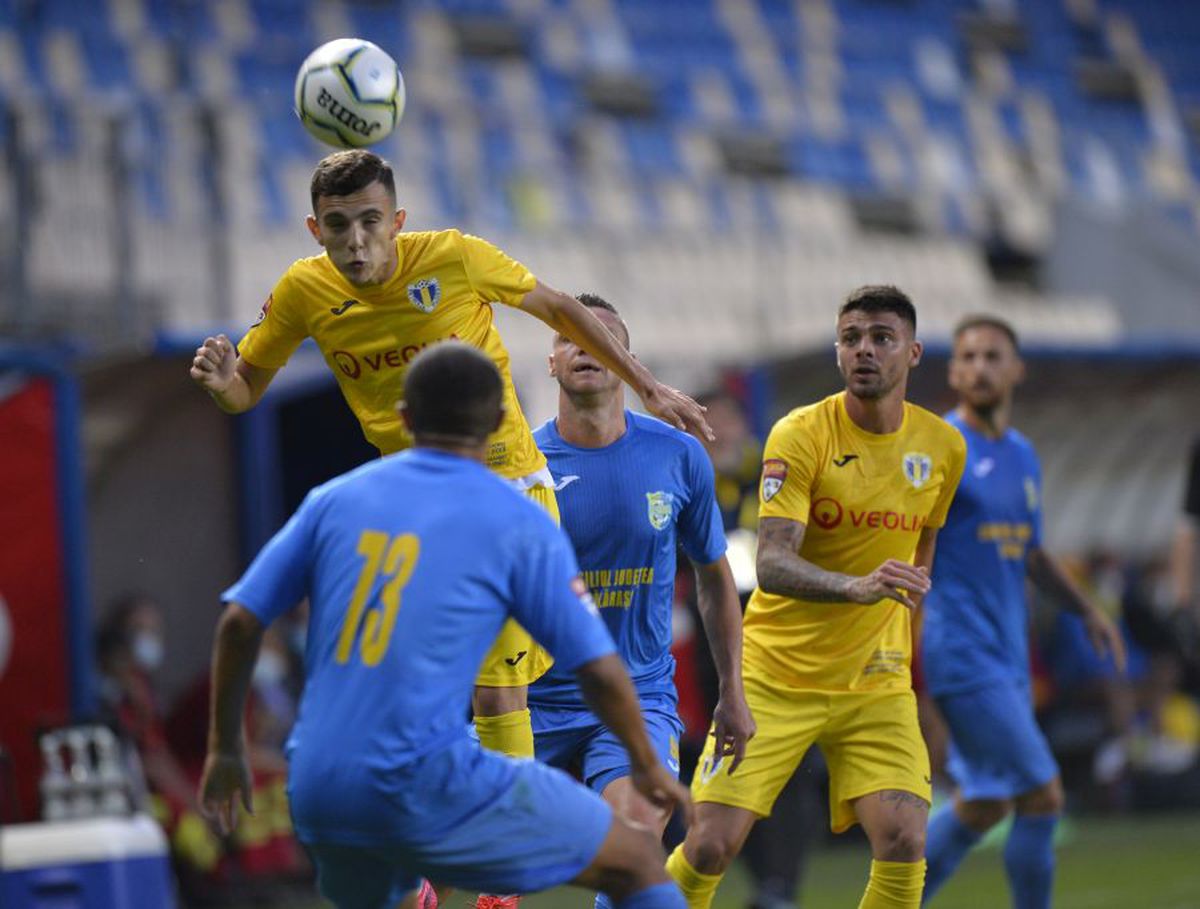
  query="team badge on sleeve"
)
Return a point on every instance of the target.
[
  {"x": 658, "y": 508},
  {"x": 262, "y": 313},
  {"x": 1031, "y": 494},
  {"x": 774, "y": 475},
  {"x": 918, "y": 467},
  {"x": 582, "y": 591}
]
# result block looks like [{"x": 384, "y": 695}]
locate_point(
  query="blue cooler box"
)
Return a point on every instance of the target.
[{"x": 98, "y": 863}]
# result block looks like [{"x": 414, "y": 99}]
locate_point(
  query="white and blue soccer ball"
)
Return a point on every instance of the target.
[{"x": 349, "y": 93}]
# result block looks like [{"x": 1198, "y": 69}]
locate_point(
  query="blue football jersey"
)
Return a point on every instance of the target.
[
  {"x": 976, "y": 615},
  {"x": 626, "y": 507},
  {"x": 411, "y": 565}
]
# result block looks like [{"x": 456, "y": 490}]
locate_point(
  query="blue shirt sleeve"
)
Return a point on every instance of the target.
[
  {"x": 550, "y": 599},
  {"x": 700, "y": 529},
  {"x": 278, "y": 577},
  {"x": 1035, "y": 500}
]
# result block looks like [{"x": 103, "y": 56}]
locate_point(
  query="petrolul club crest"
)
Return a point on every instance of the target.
[
  {"x": 918, "y": 467},
  {"x": 658, "y": 508},
  {"x": 425, "y": 294}
]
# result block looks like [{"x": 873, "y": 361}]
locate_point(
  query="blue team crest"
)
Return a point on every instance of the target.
[
  {"x": 425, "y": 294},
  {"x": 918, "y": 467},
  {"x": 658, "y": 508}
]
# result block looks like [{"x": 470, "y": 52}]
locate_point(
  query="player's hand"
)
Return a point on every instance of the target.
[
  {"x": 1106, "y": 637},
  {"x": 662, "y": 790},
  {"x": 893, "y": 580},
  {"x": 733, "y": 728},
  {"x": 213, "y": 367},
  {"x": 225, "y": 778},
  {"x": 676, "y": 409}
]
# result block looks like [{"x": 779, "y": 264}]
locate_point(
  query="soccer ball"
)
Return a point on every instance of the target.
[{"x": 349, "y": 93}]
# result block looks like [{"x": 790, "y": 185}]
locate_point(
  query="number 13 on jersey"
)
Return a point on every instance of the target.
[{"x": 394, "y": 558}]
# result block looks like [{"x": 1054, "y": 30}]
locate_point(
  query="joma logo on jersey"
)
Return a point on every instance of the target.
[
  {"x": 658, "y": 508},
  {"x": 918, "y": 467},
  {"x": 425, "y": 294},
  {"x": 352, "y": 365},
  {"x": 345, "y": 116},
  {"x": 828, "y": 513}
]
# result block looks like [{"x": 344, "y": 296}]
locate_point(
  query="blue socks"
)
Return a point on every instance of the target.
[
  {"x": 660, "y": 896},
  {"x": 946, "y": 844},
  {"x": 1029, "y": 860}
]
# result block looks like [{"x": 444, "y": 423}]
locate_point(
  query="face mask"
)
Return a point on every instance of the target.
[
  {"x": 271, "y": 668},
  {"x": 148, "y": 651}
]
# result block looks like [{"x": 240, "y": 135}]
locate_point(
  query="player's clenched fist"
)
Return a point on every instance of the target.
[
  {"x": 893, "y": 580},
  {"x": 214, "y": 364}
]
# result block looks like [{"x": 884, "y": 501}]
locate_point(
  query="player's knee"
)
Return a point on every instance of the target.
[
  {"x": 710, "y": 849},
  {"x": 901, "y": 842},
  {"x": 1046, "y": 799},
  {"x": 981, "y": 816}
]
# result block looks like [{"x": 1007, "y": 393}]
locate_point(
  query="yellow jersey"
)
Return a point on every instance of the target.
[
  {"x": 443, "y": 287},
  {"x": 864, "y": 498}
]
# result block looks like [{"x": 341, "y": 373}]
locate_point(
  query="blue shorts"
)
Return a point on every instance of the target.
[
  {"x": 997, "y": 750},
  {"x": 537, "y": 829},
  {"x": 572, "y": 738}
]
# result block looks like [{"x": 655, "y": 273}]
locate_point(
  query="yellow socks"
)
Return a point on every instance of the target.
[
  {"x": 698, "y": 889},
  {"x": 508, "y": 733},
  {"x": 894, "y": 885}
]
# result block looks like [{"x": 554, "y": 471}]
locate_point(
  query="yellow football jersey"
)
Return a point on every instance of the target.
[
  {"x": 865, "y": 498},
  {"x": 443, "y": 288}
]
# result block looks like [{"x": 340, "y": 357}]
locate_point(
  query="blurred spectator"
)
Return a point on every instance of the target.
[
  {"x": 130, "y": 650},
  {"x": 737, "y": 459}
]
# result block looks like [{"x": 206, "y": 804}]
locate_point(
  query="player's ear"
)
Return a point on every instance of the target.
[
  {"x": 313, "y": 228},
  {"x": 550, "y": 365},
  {"x": 405, "y": 417},
  {"x": 1019, "y": 371},
  {"x": 914, "y": 354},
  {"x": 398, "y": 221}
]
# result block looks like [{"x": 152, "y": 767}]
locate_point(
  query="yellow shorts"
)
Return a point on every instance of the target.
[
  {"x": 515, "y": 660},
  {"x": 870, "y": 740}
]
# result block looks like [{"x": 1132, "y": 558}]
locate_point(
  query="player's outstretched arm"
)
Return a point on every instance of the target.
[
  {"x": 226, "y": 776},
  {"x": 1049, "y": 576},
  {"x": 721, "y": 615},
  {"x": 782, "y": 571},
  {"x": 572, "y": 319},
  {"x": 610, "y": 693},
  {"x": 233, "y": 383}
]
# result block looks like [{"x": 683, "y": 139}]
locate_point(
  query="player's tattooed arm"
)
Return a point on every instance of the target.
[
  {"x": 782, "y": 571},
  {"x": 1052, "y": 580}
]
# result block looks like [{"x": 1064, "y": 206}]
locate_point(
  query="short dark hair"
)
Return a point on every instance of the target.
[
  {"x": 595, "y": 301},
  {"x": 453, "y": 389},
  {"x": 346, "y": 172},
  {"x": 984, "y": 320},
  {"x": 872, "y": 298}
]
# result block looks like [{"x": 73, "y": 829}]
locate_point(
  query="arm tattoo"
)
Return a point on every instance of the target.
[
  {"x": 782, "y": 571},
  {"x": 899, "y": 799}
]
